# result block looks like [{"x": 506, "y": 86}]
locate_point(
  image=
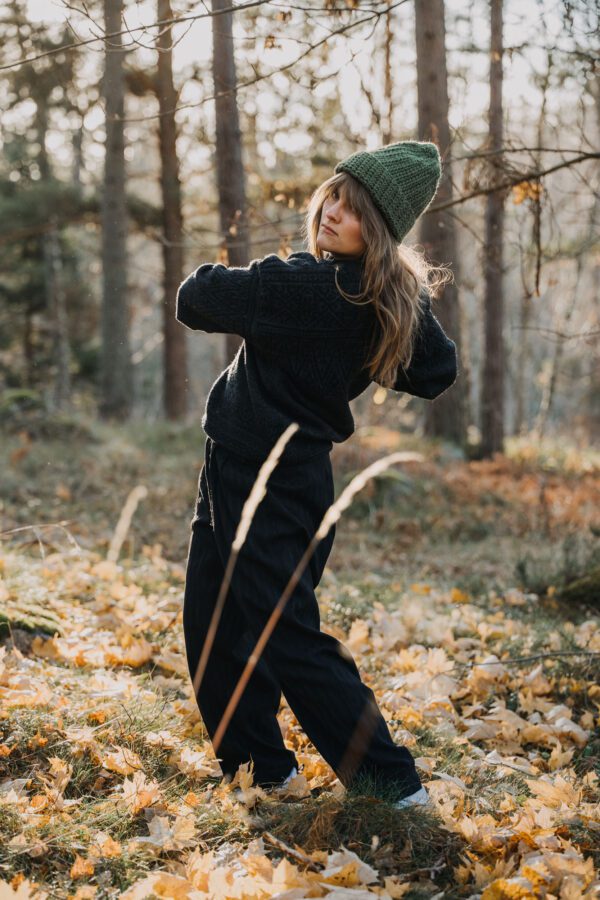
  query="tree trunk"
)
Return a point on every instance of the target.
[
  {"x": 593, "y": 398},
  {"x": 388, "y": 82},
  {"x": 523, "y": 364},
  {"x": 523, "y": 376},
  {"x": 29, "y": 344},
  {"x": 60, "y": 399},
  {"x": 175, "y": 383},
  {"x": 523, "y": 369},
  {"x": 41, "y": 123},
  {"x": 492, "y": 387},
  {"x": 77, "y": 164},
  {"x": 116, "y": 367},
  {"x": 230, "y": 169},
  {"x": 562, "y": 326},
  {"x": 447, "y": 416}
]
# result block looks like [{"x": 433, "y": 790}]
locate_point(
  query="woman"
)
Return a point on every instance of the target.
[{"x": 318, "y": 327}]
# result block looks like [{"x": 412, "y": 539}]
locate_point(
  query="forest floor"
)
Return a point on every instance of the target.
[{"x": 451, "y": 583}]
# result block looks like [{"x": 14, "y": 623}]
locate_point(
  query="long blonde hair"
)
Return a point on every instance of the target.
[{"x": 393, "y": 276}]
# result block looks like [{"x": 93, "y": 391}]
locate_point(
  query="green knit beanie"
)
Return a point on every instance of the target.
[{"x": 401, "y": 178}]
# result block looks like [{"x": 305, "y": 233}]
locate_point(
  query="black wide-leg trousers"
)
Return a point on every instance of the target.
[{"x": 315, "y": 672}]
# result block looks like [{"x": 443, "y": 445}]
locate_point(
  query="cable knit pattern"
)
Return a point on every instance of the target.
[{"x": 303, "y": 355}]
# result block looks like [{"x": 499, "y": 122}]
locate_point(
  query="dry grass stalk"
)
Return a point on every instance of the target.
[
  {"x": 331, "y": 515},
  {"x": 138, "y": 493}
]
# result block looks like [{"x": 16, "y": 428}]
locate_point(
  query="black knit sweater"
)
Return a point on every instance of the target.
[{"x": 303, "y": 355}]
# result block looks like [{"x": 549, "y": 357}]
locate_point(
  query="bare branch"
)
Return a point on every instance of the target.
[
  {"x": 483, "y": 154},
  {"x": 563, "y": 335},
  {"x": 241, "y": 84},
  {"x": 23, "y": 233},
  {"x": 511, "y": 182},
  {"x": 176, "y": 20}
]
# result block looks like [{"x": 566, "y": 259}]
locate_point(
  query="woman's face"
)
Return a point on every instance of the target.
[{"x": 339, "y": 228}]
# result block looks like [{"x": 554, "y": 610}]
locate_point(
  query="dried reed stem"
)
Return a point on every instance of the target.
[{"x": 360, "y": 737}]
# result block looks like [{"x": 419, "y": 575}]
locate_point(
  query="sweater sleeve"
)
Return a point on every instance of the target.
[
  {"x": 217, "y": 298},
  {"x": 434, "y": 365}
]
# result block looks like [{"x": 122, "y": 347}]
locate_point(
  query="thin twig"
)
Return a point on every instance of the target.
[
  {"x": 512, "y": 182},
  {"x": 312, "y": 864},
  {"x": 242, "y": 84},
  {"x": 519, "y": 659},
  {"x": 113, "y": 34}
]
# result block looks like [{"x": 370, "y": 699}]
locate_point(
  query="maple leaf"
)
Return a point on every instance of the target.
[
  {"x": 161, "y": 739},
  {"x": 104, "y": 846},
  {"x": 345, "y": 868},
  {"x": 22, "y": 890},
  {"x": 555, "y": 793},
  {"x": 81, "y": 867},
  {"x": 165, "y": 835},
  {"x": 358, "y": 636},
  {"x": 160, "y": 884},
  {"x": 516, "y": 888},
  {"x": 139, "y": 793},
  {"x": 195, "y": 763},
  {"x": 121, "y": 760}
]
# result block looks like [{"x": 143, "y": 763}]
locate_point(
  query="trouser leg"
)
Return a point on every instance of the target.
[
  {"x": 317, "y": 674},
  {"x": 254, "y": 732}
]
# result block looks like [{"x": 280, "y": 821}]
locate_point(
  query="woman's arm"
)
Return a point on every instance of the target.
[
  {"x": 434, "y": 365},
  {"x": 215, "y": 298}
]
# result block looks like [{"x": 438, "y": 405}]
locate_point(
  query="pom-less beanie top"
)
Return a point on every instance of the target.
[{"x": 401, "y": 178}]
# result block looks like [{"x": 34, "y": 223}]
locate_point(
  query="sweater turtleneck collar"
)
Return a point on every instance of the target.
[{"x": 340, "y": 258}]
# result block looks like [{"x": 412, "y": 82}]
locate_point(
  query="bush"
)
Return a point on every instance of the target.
[{"x": 560, "y": 566}]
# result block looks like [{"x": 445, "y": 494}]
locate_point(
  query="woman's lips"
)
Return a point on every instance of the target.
[{"x": 328, "y": 230}]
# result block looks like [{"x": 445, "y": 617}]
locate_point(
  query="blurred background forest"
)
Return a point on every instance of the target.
[{"x": 141, "y": 139}]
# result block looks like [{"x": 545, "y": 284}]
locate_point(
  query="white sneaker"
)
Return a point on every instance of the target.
[
  {"x": 419, "y": 798},
  {"x": 281, "y": 785},
  {"x": 287, "y": 780}
]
